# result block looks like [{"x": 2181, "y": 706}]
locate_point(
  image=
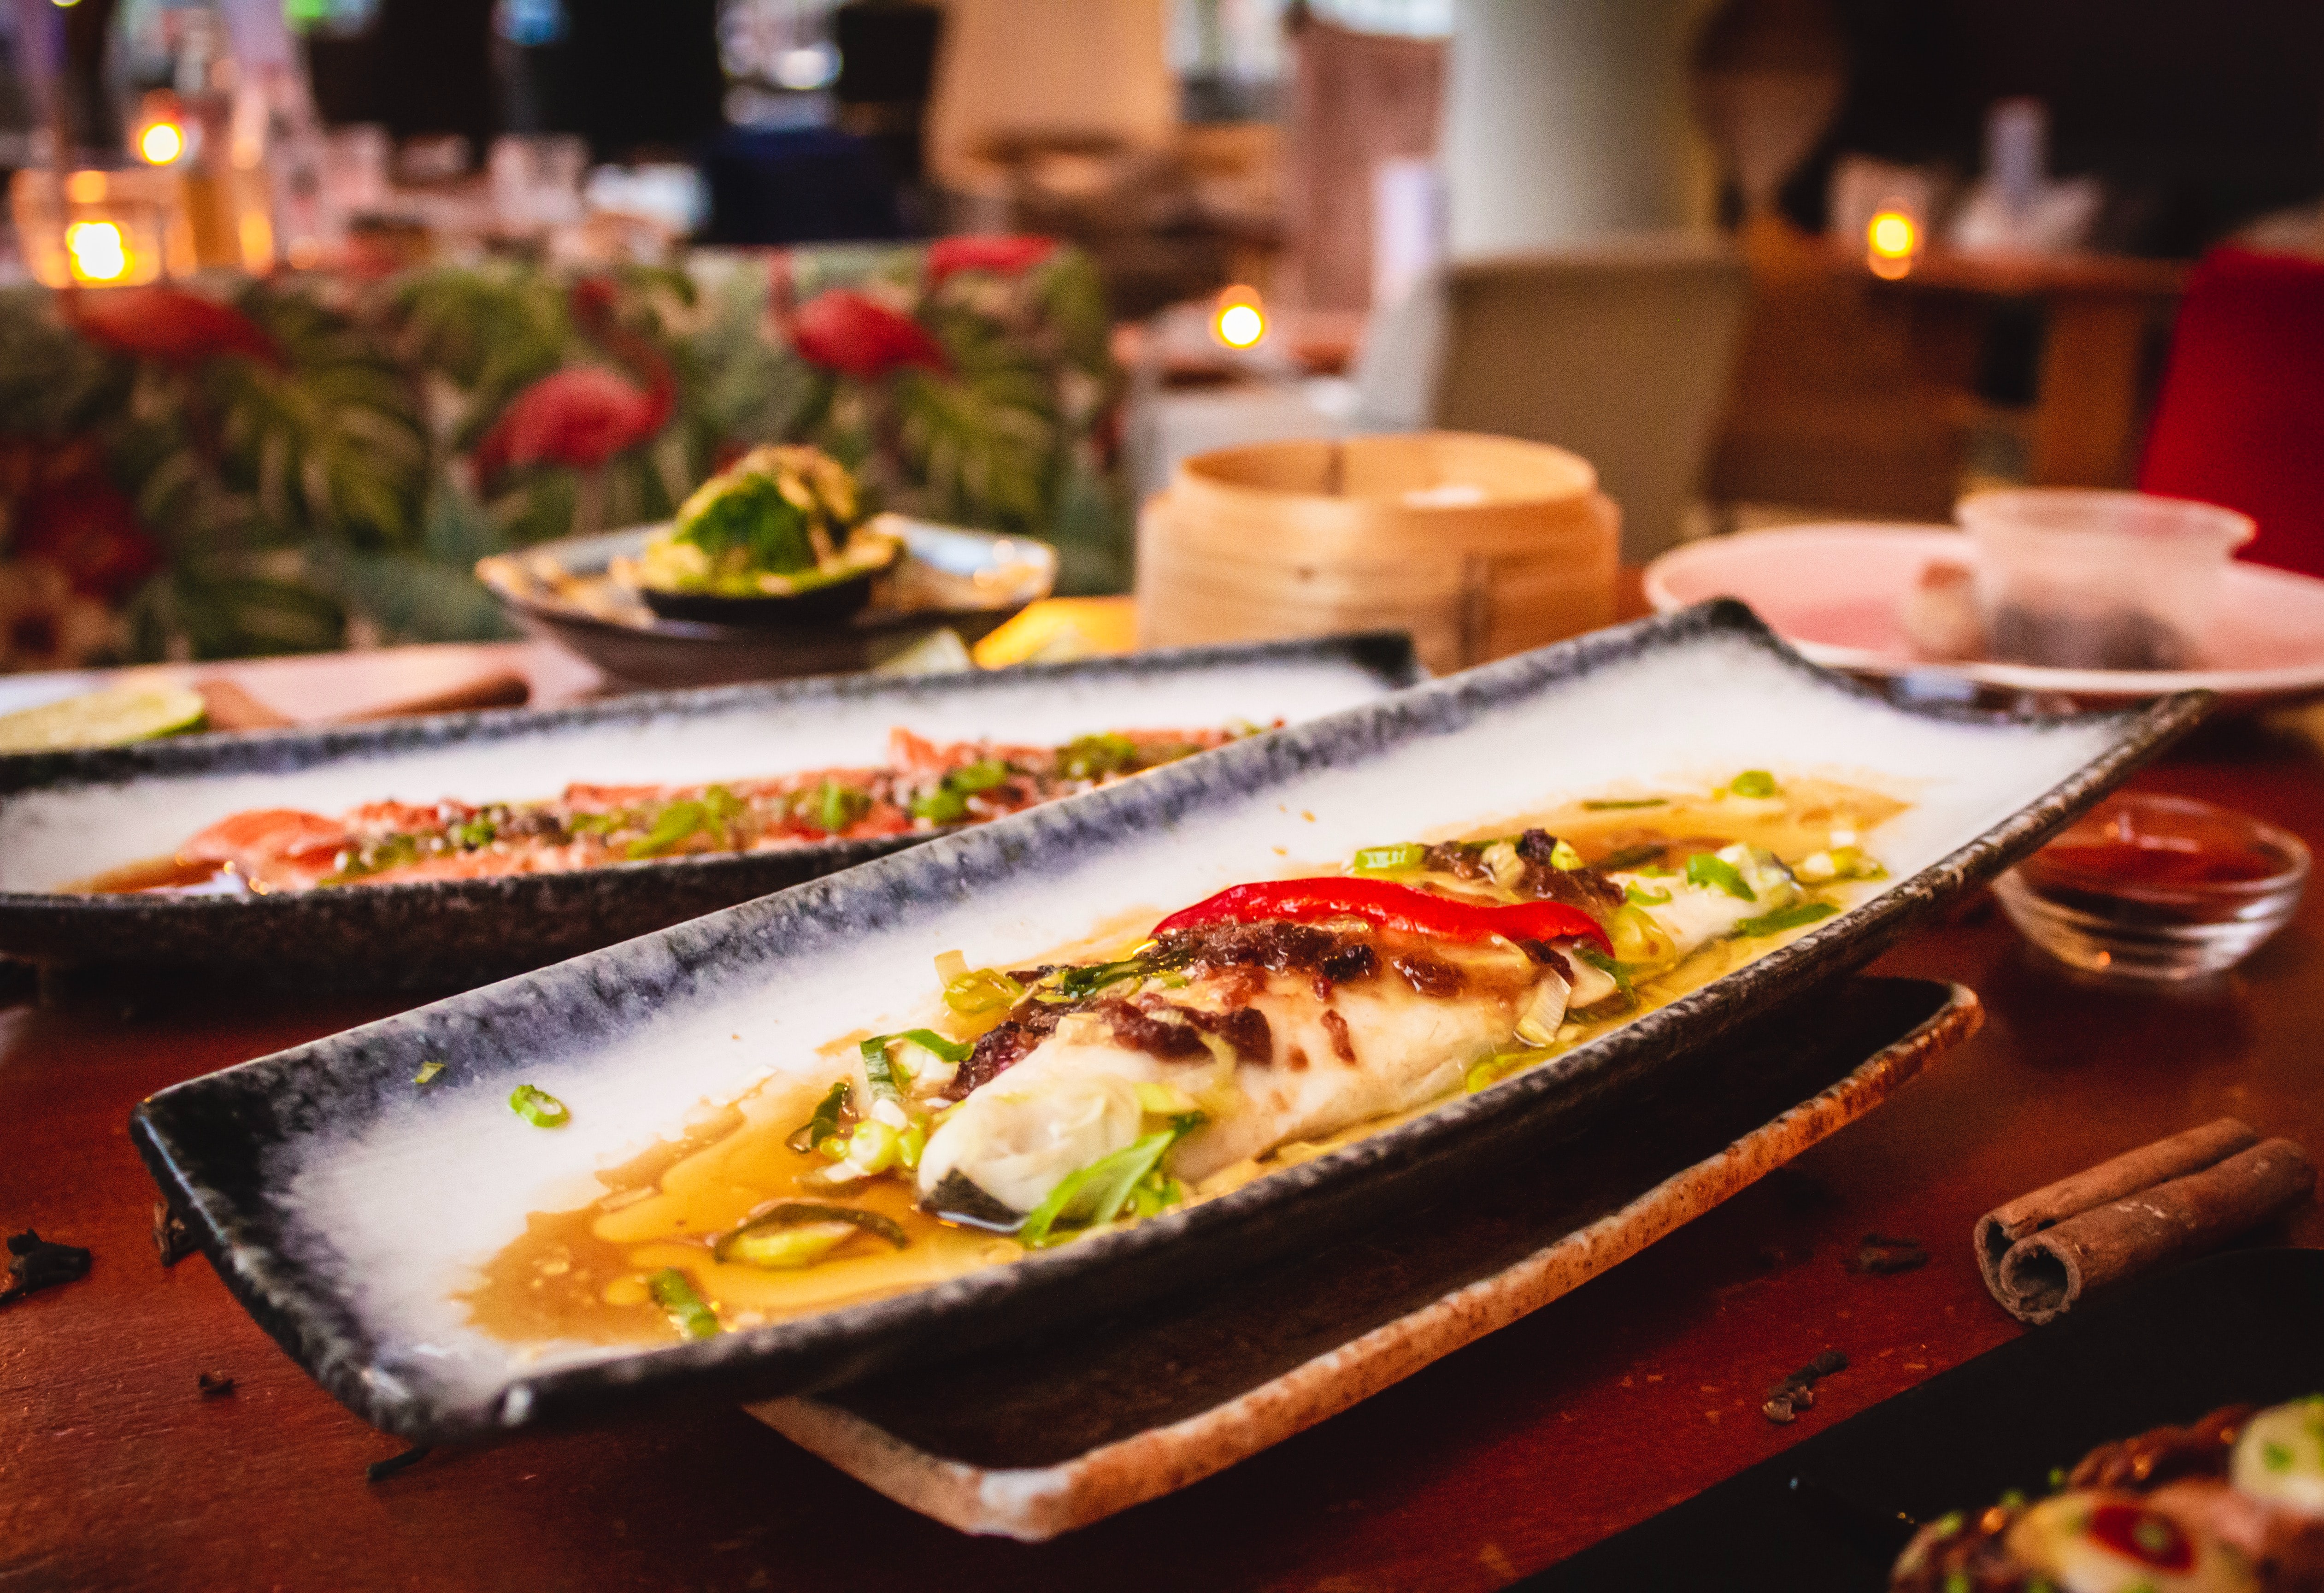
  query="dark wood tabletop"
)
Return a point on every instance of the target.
[{"x": 1636, "y": 1391}]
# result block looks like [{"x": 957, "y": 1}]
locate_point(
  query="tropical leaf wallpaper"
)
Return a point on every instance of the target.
[{"x": 311, "y": 462}]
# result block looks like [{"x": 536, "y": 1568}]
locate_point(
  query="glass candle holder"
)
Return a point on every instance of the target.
[{"x": 100, "y": 229}]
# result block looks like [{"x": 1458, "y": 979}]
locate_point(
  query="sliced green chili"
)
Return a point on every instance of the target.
[
  {"x": 1784, "y": 918},
  {"x": 1394, "y": 859},
  {"x": 675, "y": 1293},
  {"x": 538, "y": 1107},
  {"x": 1753, "y": 783},
  {"x": 1706, "y": 868}
]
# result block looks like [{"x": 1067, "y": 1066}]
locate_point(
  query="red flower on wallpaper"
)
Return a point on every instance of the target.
[
  {"x": 87, "y": 528},
  {"x": 848, "y": 331},
  {"x": 167, "y": 325},
  {"x": 1002, "y": 256}
]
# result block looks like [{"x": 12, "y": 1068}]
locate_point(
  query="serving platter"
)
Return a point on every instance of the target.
[
  {"x": 968, "y": 581},
  {"x": 348, "y": 1208},
  {"x": 1833, "y": 592},
  {"x": 71, "y": 816},
  {"x": 1044, "y": 1438}
]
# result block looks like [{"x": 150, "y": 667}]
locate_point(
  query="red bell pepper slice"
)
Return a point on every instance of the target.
[{"x": 1391, "y": 906}]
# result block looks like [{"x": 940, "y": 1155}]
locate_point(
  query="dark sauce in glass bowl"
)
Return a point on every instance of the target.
[{"x": 2157, "y": 888}]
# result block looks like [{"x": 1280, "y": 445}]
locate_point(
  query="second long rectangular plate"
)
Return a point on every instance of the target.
[
  {"x": 68, "y": 816},
  {"x": 348, "y": 1210}
]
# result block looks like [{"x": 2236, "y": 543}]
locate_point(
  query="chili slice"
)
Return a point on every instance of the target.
[{"x": 1391, "y": 906}]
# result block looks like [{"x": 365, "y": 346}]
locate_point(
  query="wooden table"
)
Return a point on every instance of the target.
[{"x": 1636, "y": 1391}]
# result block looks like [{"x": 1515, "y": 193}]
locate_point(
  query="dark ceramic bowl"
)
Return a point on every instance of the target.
[
  {"x": 966, "y": 581},
  {"x": 833, "y": 600},
  {"x": 348, "y": 1208}
]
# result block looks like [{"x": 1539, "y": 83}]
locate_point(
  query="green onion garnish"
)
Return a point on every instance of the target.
[
  {"x": 1707, "y": 868},
  {"x": 1784, "y": 918},
  {"x": 773, "y": 1237},
  {"x": 1500, "y": 1064},
  {"x": 1753, "y": 783},
  {"x": 1631, "y": 858},
  {"x": 943, "y": 805},
  {"x": 1638, "y": 895},
  {"x": 2276, "y": 1456},
  {"x": 1394, "y": 859},
  {"x": 1564, "y": 858},
  {"x": 981, "y": 990},
  {"x": 1097, "y": 1193},
  {"x": 429, "y": 1070},
  {"x": 538, "y": 1107},
  {"x": 673, "y": 1293},
  {"x": 837, "y": 806},
  {"x": 1611, "y": 805},
  {"x": 825, "y": 1124},
  {"x": 672, "y": 825},
  {"x": 1093, "y": 758},
  {"x": 979, "y": 776}
]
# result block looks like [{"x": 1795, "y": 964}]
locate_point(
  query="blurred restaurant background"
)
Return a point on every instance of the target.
[{"x": 278, "y": 269}]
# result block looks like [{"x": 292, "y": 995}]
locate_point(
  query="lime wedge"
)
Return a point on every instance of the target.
[{"x": 102, "y": 718}]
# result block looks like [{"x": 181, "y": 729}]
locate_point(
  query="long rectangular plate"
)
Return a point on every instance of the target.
[
  {"x": 70, "y": 816},
  {"x": 1046, "y": 1437},
  {"x": 348, "y": 1210}
]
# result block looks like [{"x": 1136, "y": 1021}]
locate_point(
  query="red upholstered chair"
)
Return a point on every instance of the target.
[{"x": 2240, "y": 421}]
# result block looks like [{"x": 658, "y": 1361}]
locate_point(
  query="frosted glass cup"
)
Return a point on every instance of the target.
[{"x": 2079, "y": 579}]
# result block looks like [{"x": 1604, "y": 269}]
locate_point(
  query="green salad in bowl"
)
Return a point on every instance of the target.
[{"x": 776, "y": 535}]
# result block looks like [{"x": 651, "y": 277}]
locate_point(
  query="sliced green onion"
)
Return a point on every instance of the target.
[
  {"x": 1631, "y": 858},
  {"x": 1097, "y": 1193},
  {"x": 1395, "y": 859},
  {"x": 722, "y": 807},
  {"x": 1753, "y": 783},
  {"x": 981, "y": 990},
  {"x": 673, "y": 1291},
  {"x": 1706, "y": 868},
  {"x": 1564, "y": 858},
  {"x": 796, "y": 1233},
  {"x": 1500, "y": 1064},
  {"x": 475, "y": 835},
  {"x": 538, "y": 1107},
  {"x": 672, "y": 825},
  {"x": 429, "y": 1070},
  {"x": 1620, "y": 972},
  {"x": 1638, "y": 895},
  {"x": 2276, "y": 1456},
  {"x": 825, "y": 1124},
  {"x": 1075, "y": 983},
  {"x": 837, "y": 806},
  {"x": 979, "y": 776},
  {"x": 1612, "y": 805},
  {"x": 1093, "y": 758},
  {"x": 943, "y": 805},
  {"x": 1784, "y": 918}
]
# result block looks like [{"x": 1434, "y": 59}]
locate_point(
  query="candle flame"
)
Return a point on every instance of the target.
[
  {"x": 162, "y": 144},
  {"x": 1239, "y": 323},
  {"x": 99, "y": 254},
  {"x": 1890, "y": 243}
]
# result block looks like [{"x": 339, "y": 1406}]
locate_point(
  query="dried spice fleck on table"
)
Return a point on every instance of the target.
[
  {"x": 1881, "y": 1256},
  {"x": 212, "y": 1385},
  {"x": 1796, "y": 1393},
  {"x": 171, "y": 1242},
  {"x": 34, "y": 1263}
]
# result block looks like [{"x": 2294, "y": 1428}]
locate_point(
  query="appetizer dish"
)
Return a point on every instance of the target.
[
  {"x": 779, "y": 531},
  {"x": 1028, "y": 1107},
  {"x": 924, "y": 787},
  {"x": 2231, "y": 1503}
]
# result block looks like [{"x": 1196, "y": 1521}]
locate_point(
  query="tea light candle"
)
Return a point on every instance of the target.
[{"x": 99, "y": 228}]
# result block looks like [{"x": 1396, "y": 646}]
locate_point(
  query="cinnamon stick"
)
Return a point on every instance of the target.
[{"x": 2160, "y": 1203}]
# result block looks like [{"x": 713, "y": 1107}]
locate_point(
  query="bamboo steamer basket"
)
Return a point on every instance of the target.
[{"x": 1478, "y": 546}]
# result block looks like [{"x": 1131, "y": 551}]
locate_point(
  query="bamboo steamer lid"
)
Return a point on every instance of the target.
[{"x": 1478, "y": 546}]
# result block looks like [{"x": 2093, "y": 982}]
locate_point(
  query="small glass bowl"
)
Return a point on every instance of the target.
[{"x": 2156, "y": 889}]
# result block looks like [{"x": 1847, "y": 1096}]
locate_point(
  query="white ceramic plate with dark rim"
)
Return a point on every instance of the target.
[
  {"x": 348, "y": 1210},
  {"x": 968, "y": 581},
  {"x": 71, "y": 816},
  {"x": 1834, "y": 592}
]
